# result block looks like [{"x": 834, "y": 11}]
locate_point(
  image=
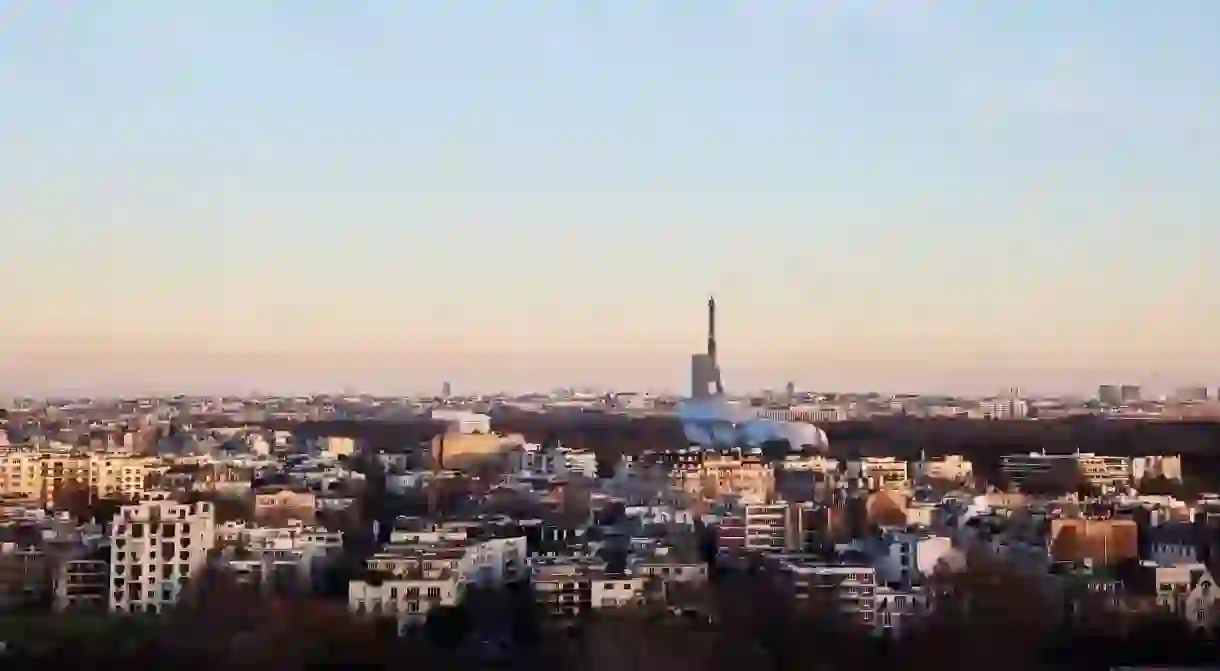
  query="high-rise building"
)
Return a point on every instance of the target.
[
  {"x": 157, "y": 547},
  {"x": 1108, "y": 394},
  {"x": 704, "y": 368},
  {"x": 1129, "y": 393},
  {"x": 446, "y": 390}
]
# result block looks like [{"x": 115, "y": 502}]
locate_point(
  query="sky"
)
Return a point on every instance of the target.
[{"x": 891, "y": 195}]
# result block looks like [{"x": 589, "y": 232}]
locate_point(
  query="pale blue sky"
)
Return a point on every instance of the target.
[{"x": 890, "y": 194}]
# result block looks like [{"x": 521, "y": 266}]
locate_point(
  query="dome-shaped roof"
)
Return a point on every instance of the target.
[{"x": 715, "y": 422}]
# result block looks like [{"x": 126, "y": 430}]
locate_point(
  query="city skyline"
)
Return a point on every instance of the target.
[{"x": 900, "y": 196}]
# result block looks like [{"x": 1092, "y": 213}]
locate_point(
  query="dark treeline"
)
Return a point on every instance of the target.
[
  {"x": 984, "y": 442},
  {"x": 988, "y": 617}
]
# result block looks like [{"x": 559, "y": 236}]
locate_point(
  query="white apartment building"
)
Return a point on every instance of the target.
[
  {"x": 1003, "y": 408},
  {"x": 1100, "y": 471},
  {"x": 909, "y": 559},
  {"x": 406, "y": 598},
  {"x": 295, "y": 534},
  {"x": 464, "y": 420},
  {"x": 951, "y": 467},
  {"x": 412, "y": 577},
  {"x": 816, "y": 463},
  {"x": 279, "y": 558},
  {"x": 567, "y": 585},
  {"x": 896, "y": 609},
  {"x": 814, "y": 414},
  {"x": 156, "y": 548},
  {"x": 1189, "y": 591},
  {"x": 666, "y": 564},
  {"x": 879, "y": 472},
  {"x": 559, "y": 461}
]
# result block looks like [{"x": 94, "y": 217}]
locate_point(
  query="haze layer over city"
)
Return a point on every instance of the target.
[{"x": 892, "y": 196}]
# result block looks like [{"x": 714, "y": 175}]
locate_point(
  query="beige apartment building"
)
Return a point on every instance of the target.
[
  {"x": 750, "y": 478},
  {"x": 45, "y": 475},
  {"x": 288, "y": 503}
]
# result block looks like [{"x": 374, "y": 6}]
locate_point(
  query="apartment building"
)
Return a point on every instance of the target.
[
  {"x": 759, "y": 527},
  {"x": 951, "y": 467},
  {"x": 1100, "y": 471},
  {"x": 908, "y": 559},
  {"x": 23, "y": 573},
  {"x": 1159, "y": 466},
  {"x": 286, "y": 503},
  {"x": 565, "y": 586},
  {"x": 119, "y": 477},
  {"x": 849, "y": 589},
  {"x": 281, "y": 560},
  {"x": 407, "y": 579},
  {"x": 747, "y": 478},
  {"x": 879, "y": 472},
  {"x": 21, "y": 473},
  {"x": 815, "y": 414},
  {"x": 406, "y": 598},
  {"x": 82, "y": 585},
  {"x": 337, "y": 446},
  {"x": 897, "y": 609},
  {"x": 559, "y": 461},
  {"x": 45, "y": 475},
  {"x": 156, "y": 548},
  {"x": 295, "y": 533},
  {"x": 815, "y": 463},
  {"x": 668, "y": 565},
  {"x": 1189, "y": 591},
  {"x": 1002, "y": 408}
]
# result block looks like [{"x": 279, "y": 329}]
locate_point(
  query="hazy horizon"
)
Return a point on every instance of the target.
[{"x": 892, "y": 196}]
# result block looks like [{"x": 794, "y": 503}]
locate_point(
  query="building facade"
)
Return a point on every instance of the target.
[{"x": 157, "y": 547}]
